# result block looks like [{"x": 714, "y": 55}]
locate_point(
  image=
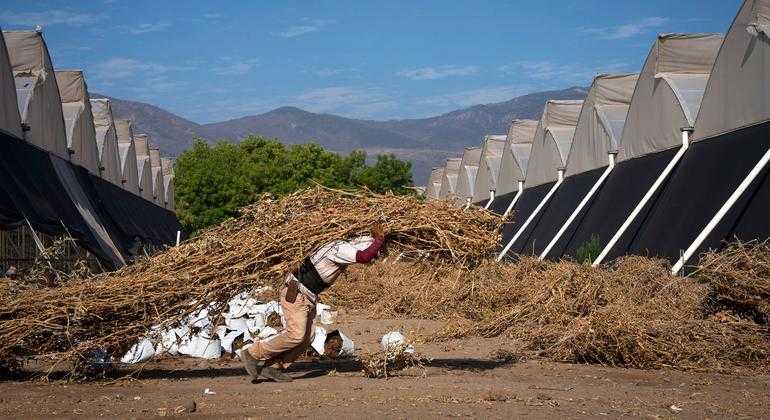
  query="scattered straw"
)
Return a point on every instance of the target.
[{"x": 385, "y": 363}]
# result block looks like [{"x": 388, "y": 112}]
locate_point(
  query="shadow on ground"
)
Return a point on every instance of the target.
[{"x": 309, "y": 369}]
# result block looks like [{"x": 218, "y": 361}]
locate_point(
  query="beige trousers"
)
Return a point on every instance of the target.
[{"x": 290, "y": 343}]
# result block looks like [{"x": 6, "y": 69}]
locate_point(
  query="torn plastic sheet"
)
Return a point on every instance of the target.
[
  {"x": 394, "y": 339},
  {"x": 139, "y": 352}
]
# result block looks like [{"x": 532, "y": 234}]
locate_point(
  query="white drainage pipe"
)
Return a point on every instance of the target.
[
  {"x": 532, "y": 216},
  {"x": 734, "y": 197},
  {"x": 647, "y": 197},
  {"x": 491, "y": 199},
  {"x": 515, "y": 199},
  {"x": 583, "y": 203}
]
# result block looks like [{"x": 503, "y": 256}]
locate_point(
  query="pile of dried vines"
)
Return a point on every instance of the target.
[
  {"x": 632, "y": 314},
  {"x": 269, "y": 239}
]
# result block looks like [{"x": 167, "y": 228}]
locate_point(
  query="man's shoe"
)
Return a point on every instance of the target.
[
  {"x": 253, "y": 366},
  {"x": 275, "y": 374}
]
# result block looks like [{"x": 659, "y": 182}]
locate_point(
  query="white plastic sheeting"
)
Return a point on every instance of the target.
[
  {"x": 78, "y": 119},
  {"x": 38, "y": 99},
  {"x": 738, "y": 94},
  {"x": 393, "y": 340},
  {"x": 243, "y": 320},
  {"x": 433, "y": 190},
  {"x": 127, "y": 154},
  {"x": 10, "y": 120},
  {"x": 489, "y": 166},
  {"x": 601, "y": 122},
  {"x": 466, "y": 181},
  {"x": 168, "y": 183},
  {"x": 668, "y": 93},
  {"x": 449, "y": 181},
  {"x": 552, "y": 142},
  {"x": 106, "y": 141},
  {"x": 144, "y": 167},
  {"x": 158, "y": 185},
  {"x": 518, "y": 147}
]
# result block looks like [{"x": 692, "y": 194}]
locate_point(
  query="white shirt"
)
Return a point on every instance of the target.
[{"x": 330, "y": 261}]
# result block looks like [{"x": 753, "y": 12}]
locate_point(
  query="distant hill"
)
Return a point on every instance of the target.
[{"x": 427, "y": 142}]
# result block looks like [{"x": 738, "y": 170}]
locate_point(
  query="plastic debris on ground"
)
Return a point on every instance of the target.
[
  {"x": 244, "y": 322},
  {"x": 395, "y": 339}
]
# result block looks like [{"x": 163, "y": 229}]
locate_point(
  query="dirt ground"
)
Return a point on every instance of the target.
[{"x": 463, "y": 380}]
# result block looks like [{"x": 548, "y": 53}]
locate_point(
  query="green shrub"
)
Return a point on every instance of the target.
[{"x": 588, "y": 252}]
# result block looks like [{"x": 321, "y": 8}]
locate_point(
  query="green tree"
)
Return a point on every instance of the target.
[
  {"x": 388, "y": 174},
  {"x": 214, "y": 181}
]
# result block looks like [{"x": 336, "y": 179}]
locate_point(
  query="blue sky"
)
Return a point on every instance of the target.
[{"x": 211, "y": 61}]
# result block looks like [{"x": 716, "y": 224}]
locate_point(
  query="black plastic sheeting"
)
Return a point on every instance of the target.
[
  {"x": 482, "y": 203},
  {"x": 708, "y": 174},
  {"x": 559, "y": 208},
  {"x": 501, "y": 203},
  {"x": 529, "y": 200},
  {"x": 613, "y": 203},
  {"x": 132, "y": 216},
  {"x": 31, "y": 187}
]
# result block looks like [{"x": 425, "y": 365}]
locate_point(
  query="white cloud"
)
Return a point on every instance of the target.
[
  {"x": 473, "y": 97},
  {"x": 557, "y": 74},
  {"x": 307, "y": 26},
  {"x": 346, "y": 100},
  {"x": 628, "y": 30},
  {"x": 144, "y": 28},
  {"x": 334, "y": 71},
  {"x": 49, "y": 18},
  {"x": 121, "y": 68},
  {"x": 237, "y": 68},
  {"x": 440, "y": 72}
]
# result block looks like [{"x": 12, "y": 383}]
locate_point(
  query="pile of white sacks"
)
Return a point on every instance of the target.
[{"x": 245, "y": 321}]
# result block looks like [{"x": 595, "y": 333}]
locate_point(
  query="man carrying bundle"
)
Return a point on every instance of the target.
[{"x": 298, "y": 302}]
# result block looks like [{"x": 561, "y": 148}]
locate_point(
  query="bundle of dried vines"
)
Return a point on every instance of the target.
[
  {"x": 269, "y": 239},
  {"x": 739, "y": 277}
]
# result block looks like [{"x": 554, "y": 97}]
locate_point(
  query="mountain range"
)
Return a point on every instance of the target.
[{"x": 426, "y": 142}]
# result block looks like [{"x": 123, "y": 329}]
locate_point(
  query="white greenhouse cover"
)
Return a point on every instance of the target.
[
  {"x": 668, "y": 93},
  {"x": 106, "y": 141},
  {"x": 168, "y": 183},
  {"x": 489, "y": 166},
  {"x": 78, "y": 120},
  {"x": 127, "y": 151},
  {"x": 158, "y": 185},
  {"x": 449, "y": 181},
  {"x": 434, "y": 183},
  {"x": 738, "y": 92},
  {"x": 168, "y": 187},
  {"x": 144, "y": 173},
  {"x": 144, "y": 167},
  {"x": 552, "y": 141},
  {"x": 469, "y": 167},
  {"x": 37, "y": 95},
  {"x": 518, "y": 147},
  {"x": 10, "y": 120},
  {"x": 601, "y": 122}
]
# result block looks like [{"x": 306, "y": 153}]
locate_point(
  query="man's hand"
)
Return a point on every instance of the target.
[{"x": 378, "y": 231}]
